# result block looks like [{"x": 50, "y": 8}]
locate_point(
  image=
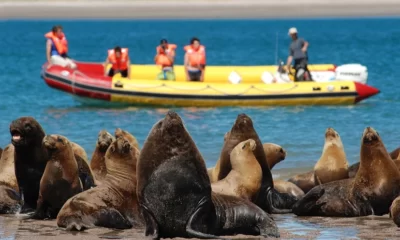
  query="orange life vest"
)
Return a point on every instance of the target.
[
  {"x": 118, "y": 63},
  {"x": 162, "y": 58},
  {"x": 61, "y": 44},
  {"x": 196, "y": 57}
]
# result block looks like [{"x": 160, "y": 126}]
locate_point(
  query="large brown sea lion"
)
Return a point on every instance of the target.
[
  {"x": 97, "y": 163},
  {"x": 332, "y": 165},
  {"x": 30, "y": 159},
  {"x": 171, "y": 164},
  {"x": 244, "y": 180},
  {"x": 395, "y": 155},
  {"x": 85, "y": 173},
  {"x": 395, "y": 211},
  {"x": 375, "y": 186},
  {"x": 113, "y": 204},
  {"x": 268, "y": 198},
  {"x": 9, "y": 191},
  {"x": 60, "y": 179}
]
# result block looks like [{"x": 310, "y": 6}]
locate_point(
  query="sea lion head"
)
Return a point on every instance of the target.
[
  {"x": 104, "y": 140},
  {"x": 170, "y": 130},
  {"x": 332, "y": 138},
  {"x": 120, "y": 146},
  {"x": 242, "y": 123},
  {"x": 122, "y": 133},
  {"x": 274, "y": 154},
  {"x": 121, "y": 157},
  {"x": 26, "y": 131},
  {"x": 244, "y": 149},
  {"x": 370, "y": 137},
  {"x": 372, "y": 145},
  {"x": 54, "y": 142}
]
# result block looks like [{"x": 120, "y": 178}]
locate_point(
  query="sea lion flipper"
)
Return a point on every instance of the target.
[
  {"x": 309, "y": 203},
  {"x": 118, "y": 220},
  {"x": 280, "y": 203},
  {"x": 199, "y": 211},
  {"x": 151, "y": 222}
]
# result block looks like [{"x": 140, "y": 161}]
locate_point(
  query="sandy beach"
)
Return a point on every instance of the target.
[{"x": 195, "y": 9}]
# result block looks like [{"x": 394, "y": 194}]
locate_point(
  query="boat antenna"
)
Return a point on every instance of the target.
[{"x": 276, "y": 49}]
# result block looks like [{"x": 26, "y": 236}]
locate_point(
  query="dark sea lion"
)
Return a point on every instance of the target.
[
  {"x": 274, "y": 154},
  {"x": 119, "y": 132},
  {"x": 268, "y": 198},
  {"x": 375, "y": 186},
  {"x": 395, "y": 211},
  {"x": 30, "y": 159},
  {"x": 332, "y": 165},
  {"x": 9, "y": 192},
  {"x": 171, "y": 163},
  {"x": 244, "y": 180},
  {"x": 97, "y": 163},
  {"x": 60, "y": 180},
  {"x": 85, "y": 173},
  {"x": 113, "y": 204}
]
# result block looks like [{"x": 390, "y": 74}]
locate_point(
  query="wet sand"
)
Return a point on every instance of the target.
[
  {"x": 290, "y": 227},
  {"x": 198, "y": 9}
]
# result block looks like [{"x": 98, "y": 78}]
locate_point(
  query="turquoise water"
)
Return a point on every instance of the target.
[{"x": 300, "y": 130}]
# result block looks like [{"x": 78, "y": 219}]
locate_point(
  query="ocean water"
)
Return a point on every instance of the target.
[{"x": 299, "y": 129}]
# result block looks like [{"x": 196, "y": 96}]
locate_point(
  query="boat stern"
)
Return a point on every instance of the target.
[{"x": 364, "y": 91}]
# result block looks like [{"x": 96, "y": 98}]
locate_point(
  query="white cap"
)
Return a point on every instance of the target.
[{"x": 292, "y": 30}]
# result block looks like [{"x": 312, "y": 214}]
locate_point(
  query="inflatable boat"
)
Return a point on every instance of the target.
[{"x": 217, "y": 90}]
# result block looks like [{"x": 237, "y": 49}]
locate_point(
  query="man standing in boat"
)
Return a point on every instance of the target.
[
  {"x": 195, "y": 60},
  {"x": 165, "y": 58},
  {"x": 119, "y": 58},
  {"x": 57, "y": 48},
  {"x": 298, "y": 52}
]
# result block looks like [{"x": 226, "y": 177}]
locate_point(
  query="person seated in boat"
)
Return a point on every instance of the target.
[
  {"x": 119, "y": 58},
  {"x": 298, "y": 52},
  {"x": 57, "y": 48},
  {"x": 165, "y": 58},
  {"x": 195, "y": 60}
]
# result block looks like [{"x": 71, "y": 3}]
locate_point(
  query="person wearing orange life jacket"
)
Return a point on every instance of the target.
[
  {"x": 57, "y": 48},
  {"x": 195, "y": 60},
  {"x": 165, "y": 58},
  {"x": 119, "y": 58}
]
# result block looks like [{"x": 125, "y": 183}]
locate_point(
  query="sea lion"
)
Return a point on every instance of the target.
[
  {"x": 274, "y": 154},
  {"x": 395, "y": 211},
  {"x": 60, "y": 179},
  {"x": 375, "y": 186},
  {"x": 305, "y": 181},
  {"x": 268, "y": 198},
  {"x": 113, "y": 204},
  {"x": 244, "y": 180},
  {"x": 171, "y": 163},
  {"x": 85, "y": 173},
  {"x": 9, "y": 191},
  {"x": 332, "y": 165},
  {"x": 119, "y": 132},
  {"x": 395, "y": 154},
  {"x": 97, "y": 163},
  {"x": 30, "y": 159},
  {"x": 1, "y": 151},
  {"x": 289, "y": 188}
]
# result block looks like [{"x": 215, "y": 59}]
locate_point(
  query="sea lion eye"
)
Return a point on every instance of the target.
[{"x": 60, "y": 140}]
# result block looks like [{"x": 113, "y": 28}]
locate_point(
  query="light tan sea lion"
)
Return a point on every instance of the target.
[
  {"x": 268, "y": 198},
  {"x": 170, "y": 160},
  {"x": 372, "y": 191},
  {"x": 60, "y": 179},
  {"x": 288, "y": 187},
  {"x": 85, "y": 173},
  {"x": 9, "y": 192},
  {"x": 113, "y": 204},
  {"x": 274, "y": 154},
  {"x": 244, "y": 180},
  {"x": 97, "y": 163},
  {"x": 332, "y": 165}
]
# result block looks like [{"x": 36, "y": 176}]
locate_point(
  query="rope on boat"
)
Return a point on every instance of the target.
[{"x": 209, "y": 87}]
